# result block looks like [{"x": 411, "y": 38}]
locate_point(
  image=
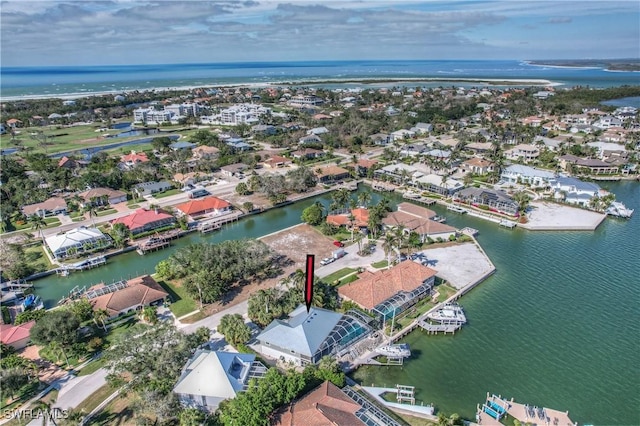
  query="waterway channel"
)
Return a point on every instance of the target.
[{"x": 557, "y": 325}]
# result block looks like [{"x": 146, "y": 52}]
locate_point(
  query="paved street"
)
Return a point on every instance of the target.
[{"x": 77, "y": 389}]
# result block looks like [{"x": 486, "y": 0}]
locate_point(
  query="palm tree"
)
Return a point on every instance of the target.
[
  {"x": 100, "y": 316},
  {"x": 93, "y": 212},
  {"x": 364, "y": 198},
  {"x": 522, "y": 199},
  {"x": 352, "y": 220},
  {"x": 37, "y": 223},
  {"x": 148, "y": 314},
  {"x": 388, "y": 243}
]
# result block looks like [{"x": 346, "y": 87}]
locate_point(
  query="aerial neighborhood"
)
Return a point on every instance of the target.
[{"x": 202, "y": 330}]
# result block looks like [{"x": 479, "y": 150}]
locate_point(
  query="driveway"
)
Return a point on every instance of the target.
[
  {"x": 75, "y": 390},
  {"x": 352, "y": 260}
]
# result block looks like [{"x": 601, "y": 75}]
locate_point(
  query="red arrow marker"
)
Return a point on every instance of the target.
[{"x": 308, "y": 288}]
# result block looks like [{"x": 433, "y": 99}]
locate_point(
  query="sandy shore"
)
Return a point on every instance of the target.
[{"x": 546, "y": 216}]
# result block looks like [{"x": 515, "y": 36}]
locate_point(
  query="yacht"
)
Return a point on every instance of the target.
[
  {"x": 400, "y": 350},
  {"x": 449, "y": 313},
  {"x": 618, "y": 209}
]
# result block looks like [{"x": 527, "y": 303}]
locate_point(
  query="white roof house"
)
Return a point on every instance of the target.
[
  {"x": 526, "y": 174},
  {"x": 210, "y": 377},
  {"x": 434, "y": 183},
  {"x": 305, "y": 337},
  {"x": 77, "y": 241}
]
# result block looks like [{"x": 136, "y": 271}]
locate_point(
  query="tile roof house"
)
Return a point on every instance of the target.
[
  {"x": 305, "y": 337},
  {"x": 363, "y": 166},
  {"x": 391, "y": 291},
  {"x": 16, "y": 336},
  {"x": 143, "y": 220},
  {"x": 478, "y": 166},
  {"x": 525, "y": 152},
  {"x": 360, "y": 218},
  {"x": 210, "y": 377},
  {"x": 204, "y": 151},
  {"x": 326, "y": 405},
  {"x": 496, "y": 200},
  {"x": 331, "y": 173},
  {"x": 276, "y": 161},
  {"x": 200, "y": 207},
  {"x": 134, "y": 158},
  {"x": 102, "y": 196},
  {"x": 130, "y": 296},
  {"x": 49, "y": 207},
  {"x": 77, "y": 242}
]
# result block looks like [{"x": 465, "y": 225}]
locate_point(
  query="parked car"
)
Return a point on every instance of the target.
[
  {"x": 326, "y": 261},
  {"x": 199, "y": 193},
  {"x": 338, "y": 243}
]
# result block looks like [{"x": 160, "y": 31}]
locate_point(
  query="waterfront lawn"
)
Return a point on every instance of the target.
[
  {"x": 380, "y": 265},
  {"x": 36, "y": 258},
  {"x": 331, "y": 278},
  {"x": 445, "y": 291},
  {"x": 167, "y": 193},
  {"x": 181, "y": 302}
]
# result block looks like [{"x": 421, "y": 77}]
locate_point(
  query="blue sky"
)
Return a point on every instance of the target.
[{"x": 78, "y": 32}]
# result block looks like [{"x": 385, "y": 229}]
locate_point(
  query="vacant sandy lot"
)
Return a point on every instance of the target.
[
  {"x": 460, "y": 264},
  {"x": 546, "y": 216},
  {"x": 298, "y": 241}
]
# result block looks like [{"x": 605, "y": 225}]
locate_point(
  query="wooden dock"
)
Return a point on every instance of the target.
[
  {"x": 206, "y": 227},
  {"x": 152, "y": 244}
]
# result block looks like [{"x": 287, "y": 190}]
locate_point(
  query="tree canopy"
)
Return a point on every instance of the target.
[{"x": 59, "y": 326}]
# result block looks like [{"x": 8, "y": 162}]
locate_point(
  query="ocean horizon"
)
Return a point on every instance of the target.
[{"x": 79, "y": 81}]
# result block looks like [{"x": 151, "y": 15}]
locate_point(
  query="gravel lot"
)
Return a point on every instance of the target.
[{"x": 460, "y": 264}]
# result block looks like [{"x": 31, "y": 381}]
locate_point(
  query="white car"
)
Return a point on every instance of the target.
[{"x": 326, "y": 261}]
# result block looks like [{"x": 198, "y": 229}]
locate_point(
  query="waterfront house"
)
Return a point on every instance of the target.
[
  {"x": 477, "y": 166},
  {"x": 360, "y": 218},
  {"x": 306, "y": 337},
  {"x": 331, "y": 173},
  {"x": 182, "y": 145},
  {"x": 440, "y": 185},
  {"x": 50, "y": 207},
  {"x": 328, "y": 405},
  {"x": 143, "y": 220},
  {"x": 307, "y": 154},
  {"x": 575, "y": 191},
  {"x": 150, "y": 188},
  {"x": 392, "y": 291},
  {"x": 517, "y": 173},
  {"x": 203, "y": 206},
  {"x": 591, "y": 166},
  {"x": 77, "y": 242},
  {"x": 124, "y": 297},
  {"x": 363, "y": 166},
  {"x": 491, "y": 199},
  {"x": 398, "y": 173},
  {"x": 210, "y": 377},
  {"x": 102, "y": 197},
  {"x": 413, "y": 218},
  {"x": 524, "y": 152},
  {"x": 16, "y": 336}
]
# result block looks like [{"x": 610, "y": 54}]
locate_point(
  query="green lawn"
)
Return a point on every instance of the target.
[
  {"x": 106, "y": 212},
  {"x": 92, "y": 367},
  {"x": 133, "y": 205},
  {"x": 167, "y": 193},
  {"x": 36, "y": 257},
  {"x": 445, "y": 291},
  {"x": 115, "y": 333},
  {"x": 95, "y": 399},
  {"x": 182, "y": 303},
  {"x": 338, "y": 274},
  {"x": 380, "y": 265}
]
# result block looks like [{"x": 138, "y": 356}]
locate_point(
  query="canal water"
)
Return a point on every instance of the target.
[{"x": 556, "y": 325}]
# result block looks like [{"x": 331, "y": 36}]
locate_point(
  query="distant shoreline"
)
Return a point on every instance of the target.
[
  {"x": 613, "y": 65},
  {"x": 305, "y": 82}
]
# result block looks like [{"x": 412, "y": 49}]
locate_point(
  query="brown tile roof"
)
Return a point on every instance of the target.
[
  {"x": 14, "y": 333},
  {"x": 367, "y": 164},
  {"x": 332, "y": 171},
  {"x": 361, "y": 218},
  {"x": 326, "y": 405},
  {"x": 100, "y": 192},
  {"x": 204, "y": 204},
  {"x": 140, "y": 291},
  {"x": 51, "y": 204},
  {"x": 416, "y": 210},
  {"x": 372, "y": 289},
  {"x": 478, "y": 162},
  {"x": 417, "y": 224}
]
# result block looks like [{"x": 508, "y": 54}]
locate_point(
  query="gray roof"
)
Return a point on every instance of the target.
[
  {"x": 303, "y": 332},
  {"x": 153, "y": 186},
  {"x": 576, "y": 183},
  {"x": 528, "y": 171},
  {"x": 182, "y": 145}
]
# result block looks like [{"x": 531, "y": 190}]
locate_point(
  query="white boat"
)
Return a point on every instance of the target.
[
  {"x": 450, "y": 313},
  {"x": 400, "y": 350},
  {"x": 618, "y": 209},
  {"x": 456, "y": 209}
]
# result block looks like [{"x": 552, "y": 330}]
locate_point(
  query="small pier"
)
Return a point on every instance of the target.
[
  {"x": 472, "y": 232},
  {"x": 383, "y": 187},
  {"x": 417, "y": 198},
  {"x": 456, "y": 209},
  {"x": 152, "y": 244},
  {"x": 206, "y": 227},
  {"x": 405, "y": 397},
  {"x": 90, "y": 263},
  {"x": 507, "y": 224},
  {"x": 497, "y": 407},
  {"x": 439, "y": 328}
]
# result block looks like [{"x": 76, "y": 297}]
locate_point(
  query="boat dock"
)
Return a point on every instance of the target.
[
  {"x": 152, "y": 244},
  {"x": 405, "y": 397},
  {"x": 418, "y": 198},
  {"x": 497, "y": 407},
  {"x": 456, "y": 209},
  {"x": 90, "y": 263},
  {"x": 206, "y": 227},
  {"x": 383, "y": 187},
  {"x": 507, "y": 224}
]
